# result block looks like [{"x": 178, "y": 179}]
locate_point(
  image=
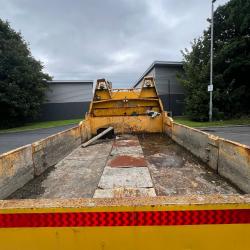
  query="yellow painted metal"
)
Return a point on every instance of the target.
[
  {"x": 195, "y": 237},
  {"x": 122, "y": 93},
  {"x": 206, "y": 237},
  {"x": 118, "y": 103},
  {"x": 126, "y": 109},
  {"x": 127, "y": 124}
]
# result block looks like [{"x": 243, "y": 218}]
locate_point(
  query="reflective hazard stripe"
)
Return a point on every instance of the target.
[{"x": 113, "y": 219}]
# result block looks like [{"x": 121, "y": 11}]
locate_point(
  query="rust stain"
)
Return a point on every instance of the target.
[{"x": 127, "y": 161}]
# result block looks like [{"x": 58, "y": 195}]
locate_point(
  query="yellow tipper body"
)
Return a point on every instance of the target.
[{"x": 163, "y": 220}]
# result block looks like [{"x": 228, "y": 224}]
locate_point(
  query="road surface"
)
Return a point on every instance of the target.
[
  {"x": 239, "y": 134},
  {"x": 12, "y": 140}
]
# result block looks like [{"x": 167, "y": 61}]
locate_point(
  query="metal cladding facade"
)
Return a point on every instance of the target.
[
  {"x": 67, "y": 100},
  {"x": 169, "y": 88}
]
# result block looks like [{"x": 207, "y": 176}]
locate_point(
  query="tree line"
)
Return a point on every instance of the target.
[
  {"x": 22, "y": 81},
  {"x": 231, "y": 95}
]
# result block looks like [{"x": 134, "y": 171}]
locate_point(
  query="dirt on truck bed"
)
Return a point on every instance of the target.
[{"x": 130, "y": 165}]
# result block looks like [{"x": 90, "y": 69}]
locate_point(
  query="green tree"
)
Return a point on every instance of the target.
[
  {"x": 22, "y": 81},
  {"x": 231, "y": 65}
]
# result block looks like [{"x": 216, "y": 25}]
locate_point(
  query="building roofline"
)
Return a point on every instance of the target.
[
  {"x": 169, "y": 63},
  {"x": 71, "y": 81}
]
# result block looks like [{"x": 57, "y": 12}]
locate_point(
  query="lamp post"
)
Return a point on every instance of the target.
[{"x": 210, "y": 87}]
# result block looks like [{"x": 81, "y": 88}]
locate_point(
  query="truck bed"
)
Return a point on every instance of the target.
[
  {"x": 127, "y": 166},
  {"x": 145, "y": 191}
]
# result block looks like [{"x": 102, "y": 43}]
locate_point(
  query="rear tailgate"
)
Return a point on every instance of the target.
[{"x": 197, "y": 222}]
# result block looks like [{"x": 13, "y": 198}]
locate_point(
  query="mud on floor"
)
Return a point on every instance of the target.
[{"x": 175, "y": 171}]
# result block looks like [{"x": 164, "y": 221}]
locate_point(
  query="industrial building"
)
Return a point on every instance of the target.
[
  {"x": 169, "y": 88},
  {"x": 67, "y": 100},
  {"x": 70, "y": 99}
]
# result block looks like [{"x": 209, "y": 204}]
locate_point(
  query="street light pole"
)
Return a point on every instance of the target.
[{"x": 210, "y": 88}]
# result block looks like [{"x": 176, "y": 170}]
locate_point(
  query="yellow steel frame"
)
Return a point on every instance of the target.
[{"x": 126, "y": 109}]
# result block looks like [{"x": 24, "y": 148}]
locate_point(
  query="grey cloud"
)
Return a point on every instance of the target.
[{"x": 116, "y": 39}]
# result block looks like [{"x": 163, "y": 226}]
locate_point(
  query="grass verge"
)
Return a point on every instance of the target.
[
  {"x": 186, "y": 121},
  {"x": 38, "y": 125}
]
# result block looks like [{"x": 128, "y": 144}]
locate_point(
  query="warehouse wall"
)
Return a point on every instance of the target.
[
  {"x": 170, "y": 90},
  {"x": 67, "y": 100},
  {"x": 66, "y": 92}
]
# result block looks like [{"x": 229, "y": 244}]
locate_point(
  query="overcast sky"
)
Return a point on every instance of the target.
[{"x": 115, "y": 39}]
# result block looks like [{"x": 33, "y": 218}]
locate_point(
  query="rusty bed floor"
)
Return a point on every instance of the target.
[{"x": 130, "y": 165}]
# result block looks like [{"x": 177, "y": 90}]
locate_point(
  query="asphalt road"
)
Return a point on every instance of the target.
[
  {"x": 239, "y": 134},
  {"x": 12, "y": 140}
]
